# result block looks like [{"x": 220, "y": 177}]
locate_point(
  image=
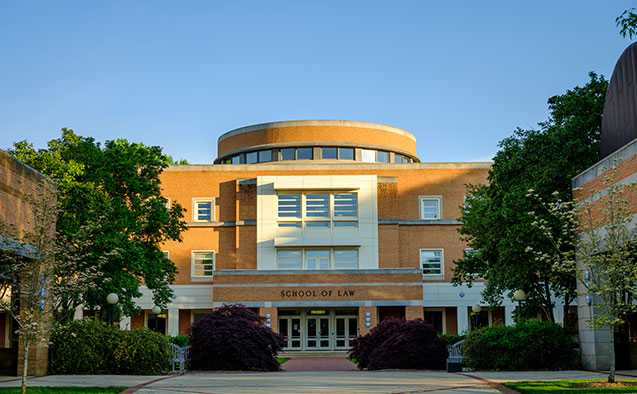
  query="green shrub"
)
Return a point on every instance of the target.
[
  {"x": 531, "y": 345},
  {"x": 179, "y": 340},
  {"x": 89, "y": 347},
  {"x": 451, "y": 339},
  {"x": 142, "y": 352},
  {"x": 83, "y": 347}
]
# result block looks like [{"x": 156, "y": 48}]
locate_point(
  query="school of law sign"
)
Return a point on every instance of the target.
[{"x": 315, "y": 293}]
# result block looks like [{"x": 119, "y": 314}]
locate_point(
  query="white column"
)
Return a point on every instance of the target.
[
  {"x": 558, "y": 312},
  {"x": 79, "y": 313},
  {"x": 173, "y": 321},
  {"x": 124, "y": 323},
  {"x": 463, "y": 321},
  {"x": 508, "y": 315}
]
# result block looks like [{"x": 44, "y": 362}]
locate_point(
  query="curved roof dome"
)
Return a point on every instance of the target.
[{"x": 317, "y": 133}]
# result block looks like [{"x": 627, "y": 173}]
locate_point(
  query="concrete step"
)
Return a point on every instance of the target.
[{"x": 314, "y": 354}]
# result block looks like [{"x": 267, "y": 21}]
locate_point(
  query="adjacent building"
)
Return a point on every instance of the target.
[{"x": 618, "y": 152}]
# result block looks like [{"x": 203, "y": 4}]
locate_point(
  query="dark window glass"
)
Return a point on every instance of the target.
[
  {"x": 398, "y": 158},
  {"x": 287, "y": 154},
  {"x": 304, "y": 154},
  {"x": 382, "y": 157},
  {"x": 265, "y": 156},
  {"x": 346, "y": 153},
  {"x": 329, "y": 153},
  {"x": 236, "y": 159},
  {"x": 435, "y": 319},
  {"x": 251, "y": 158}
]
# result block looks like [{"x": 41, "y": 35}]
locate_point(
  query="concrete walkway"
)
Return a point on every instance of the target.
[
  {"x": 318, "y": 364},
  {"x": 355, "y": 382}
]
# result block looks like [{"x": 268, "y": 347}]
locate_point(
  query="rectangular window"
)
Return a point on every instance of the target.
[
  {"x": 431, "y": 261},
  {"x": 383, "y": 157},
  {"x": 346, "y": 153},
  {"x": 203, "y": 210},
  {"x": 345, "y": 224},
  {"x": 265, "y": 156},
  {"x": 398, "y": 158},
  {"x": 203, "y": 264},
  {"x": 287, "y": 154},
  {"x": 345, "y": 205},
  {"x": 329, "y": 153},
  {"x": 345, "y": 259},
  {"x": 304, "y": 154},
  {"x": 317, "y": 259},
  {"x": 430, "y": 207},
  {"x": 236, "y": 159},
  {"x": 436, "y": 319},
  {"x": 290, "y": 224},
  {"x": 368, "y": 155},
  {"x": 317, "y": 224},
  {"x": 289, "y": 205},
  {"x": 251, "y": 158},
  {"x": 317, "y": 205},
  {"x": 289, "y": 259}
]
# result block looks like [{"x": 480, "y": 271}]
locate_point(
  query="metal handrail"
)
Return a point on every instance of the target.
[
  {"x": 456, "y": 351},
  {"x": 179, "y": 355}
]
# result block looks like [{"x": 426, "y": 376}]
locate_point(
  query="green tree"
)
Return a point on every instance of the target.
[
  {"x": 604, "y": 259},
  {"x": 495, "y": 219},
  {"x": 113, "y": 190},
  {"x": 34, "y": 268},
  {"x": 628, "y": 23}
]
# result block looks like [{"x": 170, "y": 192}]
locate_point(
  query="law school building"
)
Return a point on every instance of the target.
[{"x": 324, "y": 227}]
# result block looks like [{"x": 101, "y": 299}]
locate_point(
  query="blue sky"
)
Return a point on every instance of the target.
[{"x": 460, "y": 75}]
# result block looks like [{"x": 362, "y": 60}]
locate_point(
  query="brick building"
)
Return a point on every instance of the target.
[
  {"x": 324, "y": 227},
  {"x": 619, "y": 150},
  {"x": 18, "y": 184}
]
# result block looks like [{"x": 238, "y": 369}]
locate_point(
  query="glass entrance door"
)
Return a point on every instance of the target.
[
  {"x": 318, "y": 333},
  {"x": 291, "y": 328},
  {"x": 346, "y": 330}
]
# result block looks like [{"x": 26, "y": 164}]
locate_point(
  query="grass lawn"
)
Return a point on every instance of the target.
[
  {"x": 559, "y": 386},
  {"x": 63, "y": 390},
  {"x": 281, "y": 360}
]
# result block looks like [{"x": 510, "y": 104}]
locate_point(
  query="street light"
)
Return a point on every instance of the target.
[
  {"x": 156, "y": 311},
  {"x": 112, "y": 299},
  {"x": 519, "y": 295},
  {"x": 476, "y": 310}
]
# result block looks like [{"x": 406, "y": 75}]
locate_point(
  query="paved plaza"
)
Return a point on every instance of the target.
[{"x": 315, "y": 382}]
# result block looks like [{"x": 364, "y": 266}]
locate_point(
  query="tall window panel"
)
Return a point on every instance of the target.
[{"x": 431, "y": 261}]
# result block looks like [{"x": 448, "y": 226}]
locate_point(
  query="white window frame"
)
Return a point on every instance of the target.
[
  {"x": 330, "y": 219},
  {"x": 437, "y": 199},
  {"x": 196, "y": 201},
  {"x": 202, "y": 278},
  {"x": 331, "y": 262},
  {"x": 444, "y": 317},
  {"x": 166, "y": 253},
  {"x": 441, "y": 275}
]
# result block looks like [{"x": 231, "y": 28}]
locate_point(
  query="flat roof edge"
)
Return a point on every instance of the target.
[{"x": 314, "y": 166}]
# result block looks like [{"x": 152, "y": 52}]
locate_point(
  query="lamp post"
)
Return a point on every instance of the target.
[
  {"x": 112, "y": 299},
  {"x": 519, "y": 296},
  {"x": 156, "y": 311},
  {"x": 476, "y": 310}
]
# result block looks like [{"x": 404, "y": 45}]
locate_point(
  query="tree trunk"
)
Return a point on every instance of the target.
[
  {"x": 25, "y": 364},
  {"x": 549, "y": 302},
  {"x": 611, "y": 373}
]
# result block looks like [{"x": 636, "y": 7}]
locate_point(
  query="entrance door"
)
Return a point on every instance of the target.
[
  {"x": 346, "y": 330},
  {"x": 318, "y": 333},
  {"x": 291, "y": 328}
]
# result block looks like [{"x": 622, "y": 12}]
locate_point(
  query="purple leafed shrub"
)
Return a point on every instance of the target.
[
  {"x": 233, "y": 338},
  {"x": 399, "y": 344}
]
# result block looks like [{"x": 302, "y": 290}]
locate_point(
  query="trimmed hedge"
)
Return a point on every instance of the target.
[
  {"x": 451, "y": 339},
  {"x": 529, "y": 345},
  {"x": 233, "y": 338},
  {"x": 89, "y": 347},
  {"x": 399, "y": 344}
]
